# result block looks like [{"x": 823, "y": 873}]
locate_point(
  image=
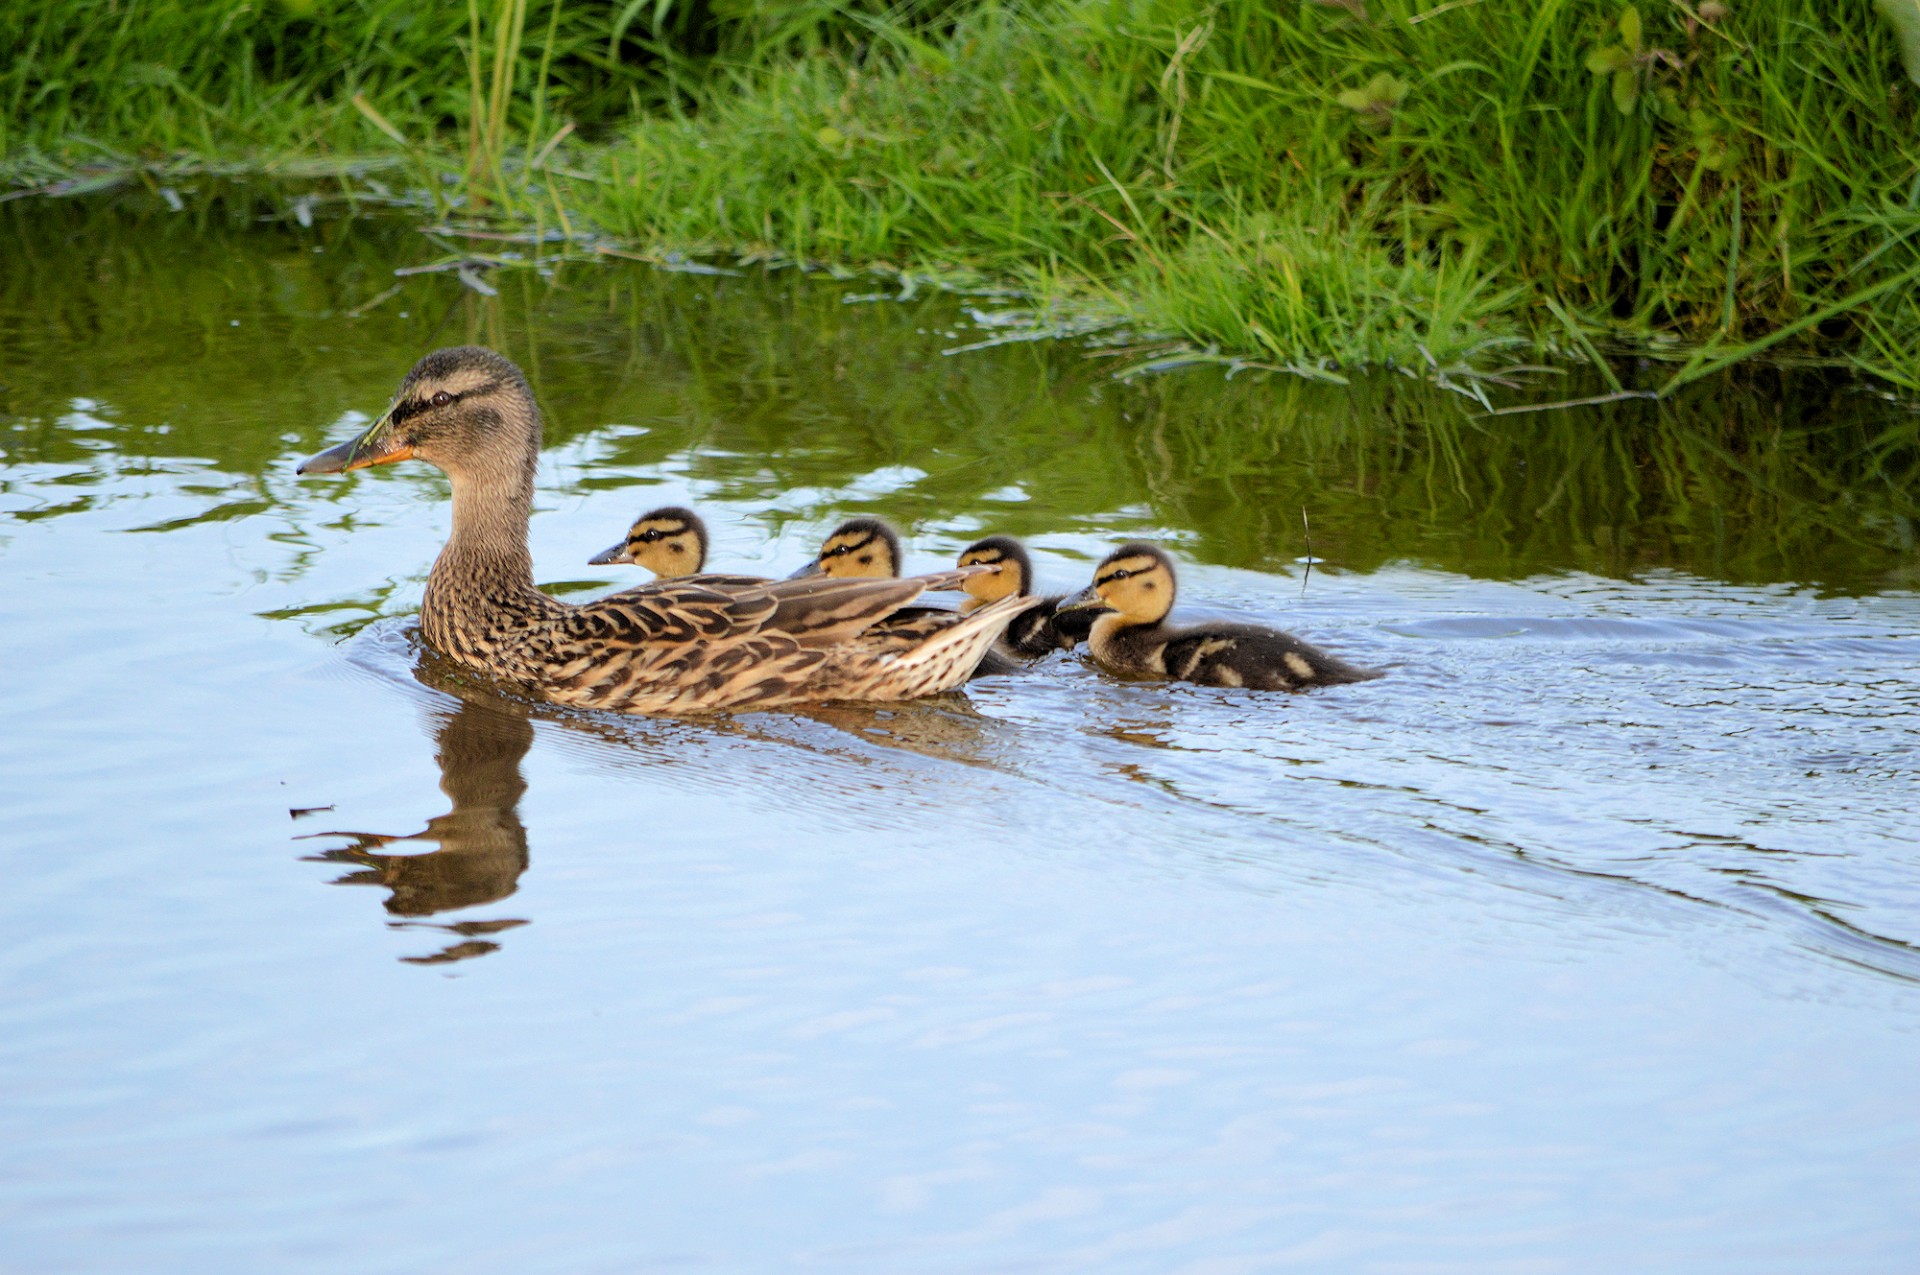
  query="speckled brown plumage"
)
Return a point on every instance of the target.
[{"x": 696, "y": 644}]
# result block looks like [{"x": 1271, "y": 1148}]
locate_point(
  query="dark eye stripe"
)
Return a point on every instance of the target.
[
  {"x": 1121, "y": 573},
  {"x": 404, "y": 412}
]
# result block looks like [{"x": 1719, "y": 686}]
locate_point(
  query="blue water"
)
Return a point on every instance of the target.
[{"x": 1585, "y": 941}]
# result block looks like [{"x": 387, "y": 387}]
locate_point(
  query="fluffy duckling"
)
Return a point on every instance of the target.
[
  {"x": 670, "y": 542},
  {"x": 1131, "y": 594},
  {"x": 1038, "y": 632},
  {"x": 859, "y": 548}
]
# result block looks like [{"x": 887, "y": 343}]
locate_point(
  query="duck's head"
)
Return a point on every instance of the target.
[
  {"x": 465, "y": 409},
  {"x": 1135, "y": 580},
  {"x": 668, "y": 542},
  {"x": 858, "y": 547},
  {"x": 1012, "y": 574}
]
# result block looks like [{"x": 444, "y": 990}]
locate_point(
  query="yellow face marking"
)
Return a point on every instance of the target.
[
  {"x": 1139, "y": 588},
  {"x": 988, "y": 586},
  {"x": 857, "y": 555},
  {"x": 667, "y": 547}
]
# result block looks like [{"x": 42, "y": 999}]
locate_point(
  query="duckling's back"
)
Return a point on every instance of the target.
[{"x": 1251, "y": 656}]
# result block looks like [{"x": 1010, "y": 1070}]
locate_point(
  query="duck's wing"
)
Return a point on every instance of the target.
[
  {"x": 824, "y": 611},
  {"x": 704, "y": 580},
  {"x": 680, "y": 610},
  {"x": 815, "y": 611}
]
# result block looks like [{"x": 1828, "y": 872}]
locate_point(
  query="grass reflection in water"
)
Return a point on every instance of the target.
[{"x": 771, "y": 393}]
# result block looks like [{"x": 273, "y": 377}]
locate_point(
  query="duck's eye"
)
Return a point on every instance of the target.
[{"x": 442, "y": 398}]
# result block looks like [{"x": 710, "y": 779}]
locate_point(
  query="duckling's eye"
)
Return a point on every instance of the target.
[{"x": 442, "y": 398}]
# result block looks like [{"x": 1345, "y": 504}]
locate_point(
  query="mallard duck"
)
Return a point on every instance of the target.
[
  {"x": 1131, "y": 594},
  {"x": 672, "y": 646},
  {"x": 669, "y": 541},
  {"x": 1038, "y": 632}
]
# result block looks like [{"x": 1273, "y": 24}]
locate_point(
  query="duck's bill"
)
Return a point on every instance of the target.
[
  {"x": 375, "y": 446},
  {"x": 1088, "y": 599},
  {"x": 606, "y": 557},
  {"x": 811, "y": 569}
]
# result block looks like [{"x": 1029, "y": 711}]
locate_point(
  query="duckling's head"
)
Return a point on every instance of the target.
[
  {"x": 668, "y": 542},
  {"x": 858, "y": 547},
  {"x": 465, "y": 409},
  {"x": 1014, "y": 574},
  {"x": 1135, "y": 580}
]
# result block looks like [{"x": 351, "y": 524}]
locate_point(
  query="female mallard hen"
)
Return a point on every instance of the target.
[
  {"x": 670, "y": 542},
  {"x": 672, "y": 646},
  {"x": 1035, "y": 633},
  {"x": 1131, "y": 594}
]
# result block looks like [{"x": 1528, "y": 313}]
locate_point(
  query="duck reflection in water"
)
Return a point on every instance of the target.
[{"x": 483, "y": 844}]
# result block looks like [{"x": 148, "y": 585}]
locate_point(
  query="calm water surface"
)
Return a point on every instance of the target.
[{"x": 1589, "y": 940}]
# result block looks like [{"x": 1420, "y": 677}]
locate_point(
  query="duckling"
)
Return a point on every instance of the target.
[
  {"x": 869, "y": 548},
  {"x": 1131, "y": 594},
  {"x": 697, "y": 645},
  {"x": 859, "y": 549},
  {"x": 1038, "y": 632},
  {"x": 669, "y": 541}
]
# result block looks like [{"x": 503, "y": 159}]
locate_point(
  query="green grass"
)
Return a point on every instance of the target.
[{"x": 1445, "y": 186}]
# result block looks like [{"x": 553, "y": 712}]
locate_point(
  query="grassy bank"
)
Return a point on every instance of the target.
[{"x": 1303, "y": 185}]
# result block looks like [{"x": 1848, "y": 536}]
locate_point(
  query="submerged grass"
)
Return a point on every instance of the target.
[{"x": 1436, "y": 186}]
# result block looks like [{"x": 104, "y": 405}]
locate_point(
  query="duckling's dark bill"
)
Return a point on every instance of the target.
[
  {"x": 375, "y": 446},
  {"x": 1088, "y": 599},
  {"x": 618, "y": 553}
]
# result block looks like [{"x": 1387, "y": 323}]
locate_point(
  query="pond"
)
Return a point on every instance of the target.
[{"x": 1586, "y": 940}]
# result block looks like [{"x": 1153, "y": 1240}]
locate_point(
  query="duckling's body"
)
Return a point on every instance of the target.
[
  {"x": 1033, "y": 634},
  {"x": 869, "y": 548},
  {"x": 695, "y": 645},
  {"x": 1135, "y": 585}
]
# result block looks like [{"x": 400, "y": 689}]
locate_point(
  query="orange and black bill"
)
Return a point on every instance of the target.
[{"x": 376, "y": 445}]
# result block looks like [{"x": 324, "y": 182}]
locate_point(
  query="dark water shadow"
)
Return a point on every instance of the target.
[{"x": 482, "y": 844}]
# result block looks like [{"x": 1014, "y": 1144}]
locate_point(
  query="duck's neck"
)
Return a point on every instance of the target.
[
  {"x": 482, "y": 583},
  {"x": 489, "y": 537}
]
